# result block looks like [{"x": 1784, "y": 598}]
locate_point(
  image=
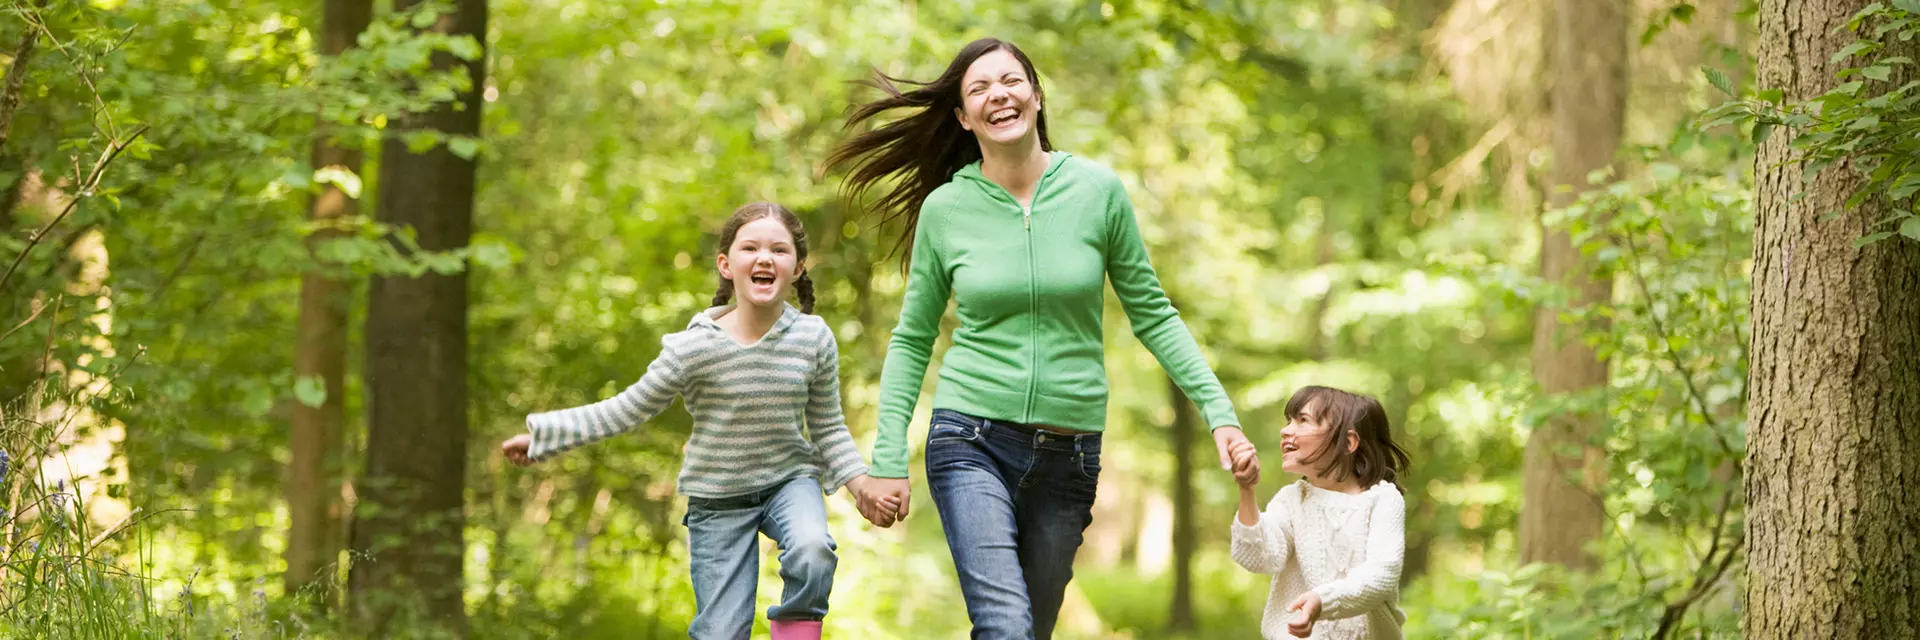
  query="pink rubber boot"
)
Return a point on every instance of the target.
[{"x": 794, "y": 629}]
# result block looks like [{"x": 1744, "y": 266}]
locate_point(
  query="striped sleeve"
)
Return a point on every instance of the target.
[
  {"x": 826, "y": 424},
  {"x": 558, "y": 431}
]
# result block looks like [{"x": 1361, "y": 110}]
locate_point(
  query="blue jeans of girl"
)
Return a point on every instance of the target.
[{"x": 723, "y": 535}]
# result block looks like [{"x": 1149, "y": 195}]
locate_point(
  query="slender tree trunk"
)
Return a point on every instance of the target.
[
  {"x": 410, "y": 514},
  {"x": 16, "y": 374},
  {"x": 11, "y": 92},
  {"x": 1561, "y": 510},
  {"x": 315, "y": 534},
  {"x": 1185, "y": 429},
  {"x": 1833, "y": 456}
]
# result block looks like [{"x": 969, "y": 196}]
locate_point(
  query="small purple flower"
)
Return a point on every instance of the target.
[{"x": 5, "y": 462}]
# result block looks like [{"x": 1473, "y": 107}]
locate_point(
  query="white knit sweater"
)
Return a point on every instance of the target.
[{"x": 1348, "y": 547}]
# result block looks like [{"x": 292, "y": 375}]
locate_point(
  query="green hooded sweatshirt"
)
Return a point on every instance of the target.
[{"x": 1029, "y": 348}]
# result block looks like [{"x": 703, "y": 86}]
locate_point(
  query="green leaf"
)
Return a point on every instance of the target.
[
  {"x": 1878, "y": 72},
  {"x": 465, "y": 147},
  {"x": 421, "y": 141},
  {"x": 1871, "y": 238},
  {"x": 310, "y": 391},
  {"x": 464, "y": 48},
  {"x": 1772, "y": 96},
  {"x": 298, "y": 177},
  {"x": 1853, "y": 23},
  {"x": 1761, "y": 131},
  {"x": 1851, "y": 50},
  {"x": 1909, "y": 6},
  {"x": 1907, "y": 186},
  {"x": 1911, "y": 228},
  {"x": 1719, "y": 80},
  {"x": 1865, "y": 122},
  {"x": 257, "y": 401},
  {"x": 424, "y": 18}
]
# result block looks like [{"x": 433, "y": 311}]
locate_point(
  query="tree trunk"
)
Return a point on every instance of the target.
[
  {"x": 1561, "y": 510},
  {"x": 315, "y": 535},
  {"x": 16, "y": 81},
  {"x": 1833, "y": 457},
  {"x": 1185, "y": 423},
  {"x": 410, "y": 516}
]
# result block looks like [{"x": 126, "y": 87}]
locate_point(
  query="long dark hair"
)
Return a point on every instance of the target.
[
  {"x": 924, "y": 149},
  {"x": 802, "y": 286},
  {"x": 1377, "y": 458}
]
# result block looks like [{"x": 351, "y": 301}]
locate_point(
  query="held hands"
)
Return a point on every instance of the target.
[
  {"x": 515, "y": 449},
  {"x": 1238, "y": 455},
  {"x": 882, "y": 501},
  {"x": 1308, "y": 605}
]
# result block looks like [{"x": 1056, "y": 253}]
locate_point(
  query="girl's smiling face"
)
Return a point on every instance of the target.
[
  {"x": 762, "y": 263},
  {"x": 1304, "y": 440}
]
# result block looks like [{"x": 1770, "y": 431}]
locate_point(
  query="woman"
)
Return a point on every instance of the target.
[{"x": 1023, "y": 238}]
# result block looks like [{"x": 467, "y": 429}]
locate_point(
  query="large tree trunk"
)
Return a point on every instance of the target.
[
  {"x": 1186, "y": 419},
  {"x": 410, "y": 518},
  {"x": 1833, "y": 459},
  {"x": 1561, "y": 509},
  {"x": 315, "y": 534}
]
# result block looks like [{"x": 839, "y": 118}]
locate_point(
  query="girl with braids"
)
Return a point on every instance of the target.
[
  {"x": 762, "y": 380},
  {"x": 1023, "y": 238}
]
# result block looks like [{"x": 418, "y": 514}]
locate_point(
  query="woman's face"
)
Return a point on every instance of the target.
[{"x": 997, "y": 101}]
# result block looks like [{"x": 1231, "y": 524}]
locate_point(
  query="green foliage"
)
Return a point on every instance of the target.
[
  {"x": 1677, "y": 237},
  {"x": 1869, "y": 121},
  {"x": 1282, "y": 158}
]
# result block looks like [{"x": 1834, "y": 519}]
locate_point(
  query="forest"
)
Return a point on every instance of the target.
[{"x": 1638, "y": 283}]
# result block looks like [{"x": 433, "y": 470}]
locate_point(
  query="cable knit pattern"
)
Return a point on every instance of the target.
[{"x": 1347, "y": 547}]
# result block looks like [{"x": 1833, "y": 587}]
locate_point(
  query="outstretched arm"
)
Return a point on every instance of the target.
[{"x": 557, "y": 431}]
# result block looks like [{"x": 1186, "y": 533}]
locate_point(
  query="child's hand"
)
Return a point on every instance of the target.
[
  {"x": 1246, "y": 463},
  {"x": 515, "y": 449},
  {"x": 879, "y": 509},
  {"x": 1308, "y": 605}
]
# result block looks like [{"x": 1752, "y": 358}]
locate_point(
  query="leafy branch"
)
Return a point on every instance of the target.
[
  {"x": 1866, "y": 120},
  {"x": 86, "y": 190}
]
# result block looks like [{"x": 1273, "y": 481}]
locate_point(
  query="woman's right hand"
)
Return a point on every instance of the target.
[
  {"x": 1246, "y": 463},
  {"x": 515, "y": 449}
]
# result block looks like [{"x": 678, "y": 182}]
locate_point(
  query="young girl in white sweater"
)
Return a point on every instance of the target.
[{"x": 1334, "y": 540}]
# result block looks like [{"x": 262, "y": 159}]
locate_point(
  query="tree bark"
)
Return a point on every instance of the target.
[
  {"x": 1833, "y": 456},
  {"x": 318, "y": 438},
  {"x": 1185, "y": 422},
  {"x": 16, "y": 80},
  {"x": 1561, "y": 510},
  {"x": 410, "y": 518}
]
